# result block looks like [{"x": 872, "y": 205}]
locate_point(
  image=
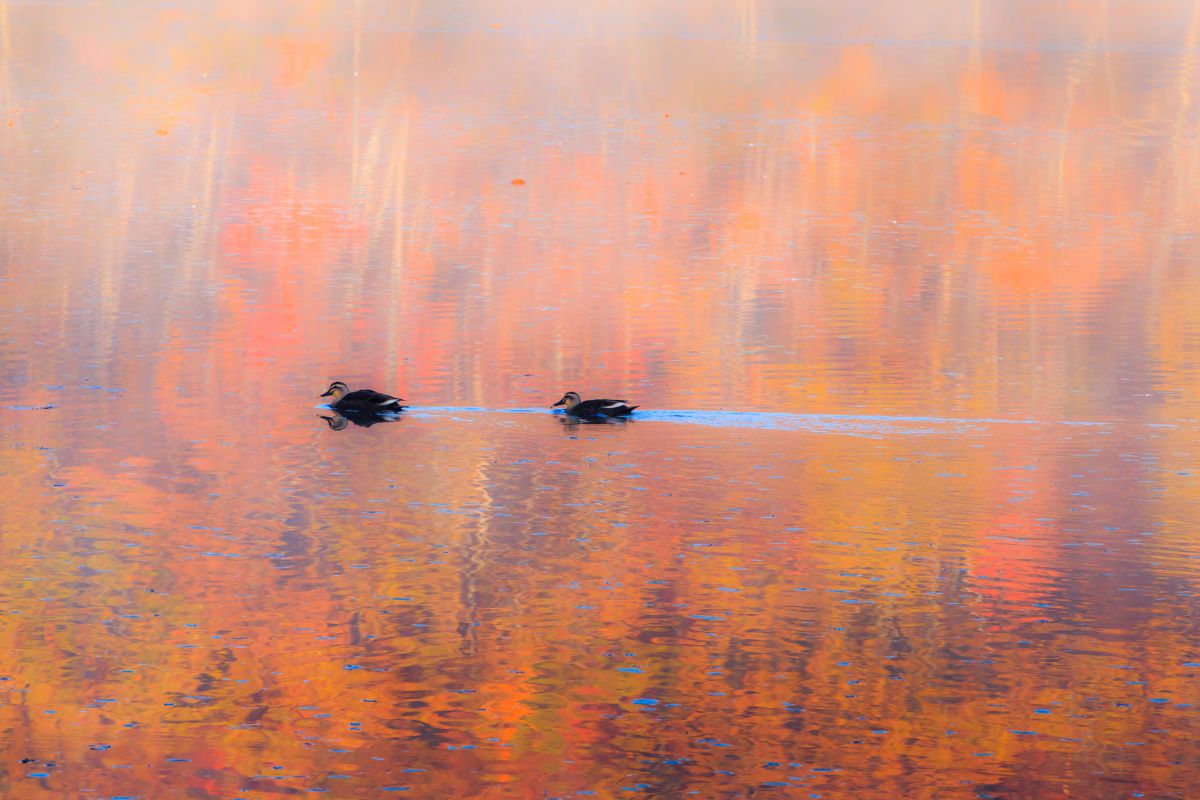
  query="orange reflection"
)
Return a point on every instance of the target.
[{"x": 977, "y": 213}]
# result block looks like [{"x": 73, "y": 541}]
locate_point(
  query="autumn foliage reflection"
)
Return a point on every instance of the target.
[{"x": 977, "y": 213}]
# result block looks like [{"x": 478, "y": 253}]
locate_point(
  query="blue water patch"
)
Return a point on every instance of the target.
[{"x": 871, "y": 425}]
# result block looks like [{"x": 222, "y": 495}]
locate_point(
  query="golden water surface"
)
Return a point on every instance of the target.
[{"x": 909, "y": 296}]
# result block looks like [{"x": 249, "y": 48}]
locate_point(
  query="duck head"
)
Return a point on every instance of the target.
[
  {"x": 569, "y": 401},
  {"x": 336, "y": 390}
]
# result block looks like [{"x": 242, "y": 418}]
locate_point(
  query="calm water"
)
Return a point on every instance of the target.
[{"x": 909, "y": 294}]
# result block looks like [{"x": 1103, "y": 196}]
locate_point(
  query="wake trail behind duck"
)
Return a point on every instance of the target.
[{"x": 846, "y": 424}]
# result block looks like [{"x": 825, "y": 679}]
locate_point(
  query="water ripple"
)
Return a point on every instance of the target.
[{"x": 849, "y": 424}]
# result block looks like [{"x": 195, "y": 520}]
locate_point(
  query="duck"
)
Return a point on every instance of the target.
[
  {"x": 571, "y": 404},
  {"x": 360, "y": 401}
]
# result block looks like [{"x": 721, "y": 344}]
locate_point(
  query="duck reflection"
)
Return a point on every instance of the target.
[
  {"x": 571, "y": 423},
  {"x": 339, "y": 422}
]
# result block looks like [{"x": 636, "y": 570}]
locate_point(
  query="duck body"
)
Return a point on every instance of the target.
[
  {"x": 602, "y": 407},
  {"x": 360, "y": 401}
]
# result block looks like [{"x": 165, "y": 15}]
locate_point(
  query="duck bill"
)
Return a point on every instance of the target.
[
  {"x": 327, "y": 393},
  {"x": 560, "y": 403}
]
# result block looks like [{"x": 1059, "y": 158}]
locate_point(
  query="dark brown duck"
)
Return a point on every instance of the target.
[
  {"x": 360, "y": 401},
  {"x": 571, "y": 404}
]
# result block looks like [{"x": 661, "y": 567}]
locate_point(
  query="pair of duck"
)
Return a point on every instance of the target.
[{"x": 369, "y": 401}]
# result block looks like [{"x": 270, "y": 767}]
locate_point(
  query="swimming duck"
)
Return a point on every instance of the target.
[
  {"x": 360, "y": 401},
  {"x": 593, "y": 408}
]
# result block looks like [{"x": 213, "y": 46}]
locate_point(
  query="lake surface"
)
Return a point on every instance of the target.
[{"x": 909, "y": 296}]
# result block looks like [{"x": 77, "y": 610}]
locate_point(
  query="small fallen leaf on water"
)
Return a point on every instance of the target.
[
  {"x": 518, "y": 181},
  {"x": 162, "y": 131}
]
